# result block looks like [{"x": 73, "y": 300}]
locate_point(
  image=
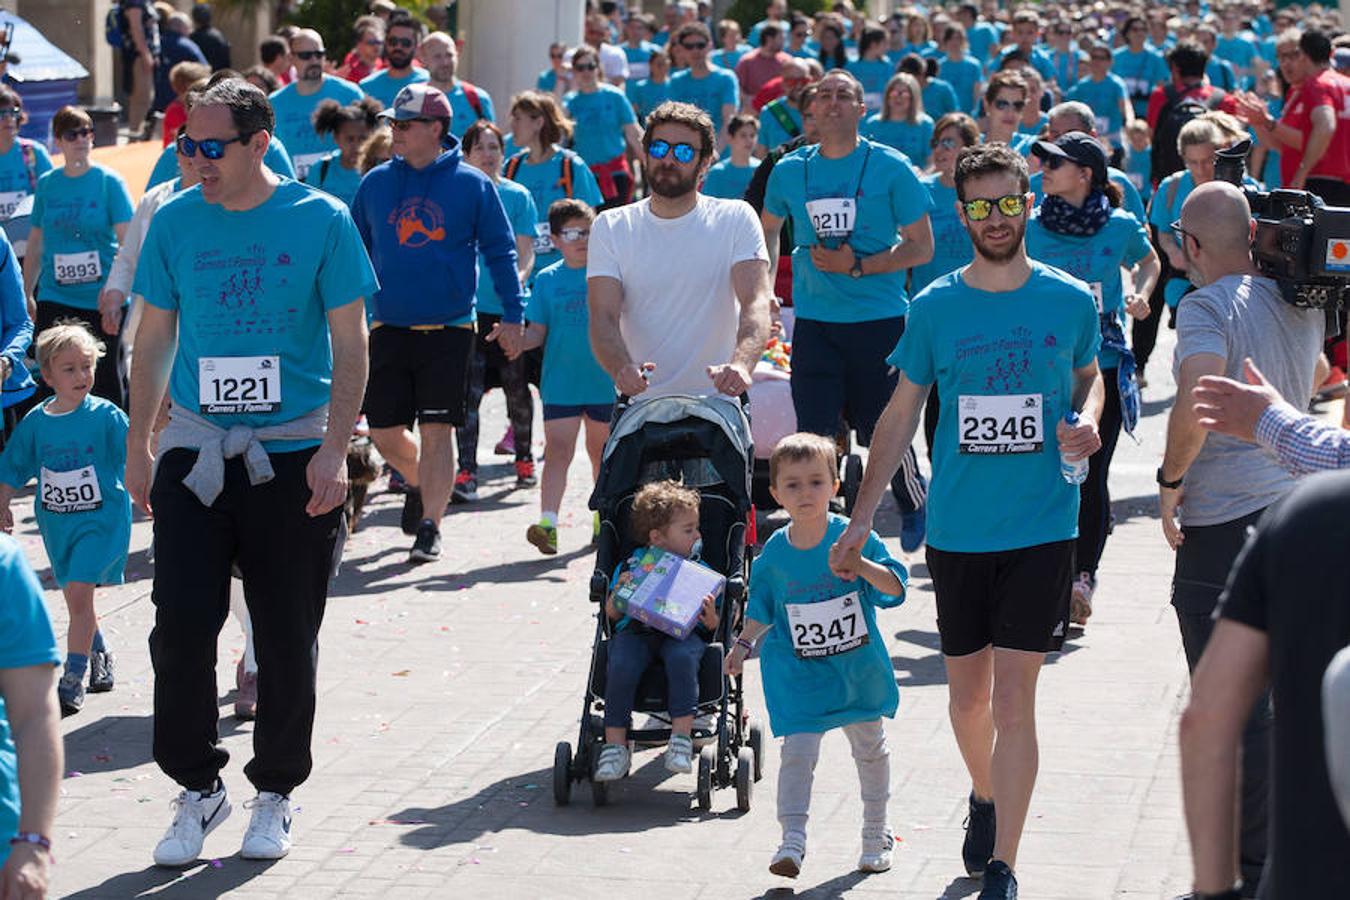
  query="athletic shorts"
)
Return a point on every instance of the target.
[
  {"x": 596, "y": 412},
  {"x": 417, "y": 375},
  {"x": 1014, "y": 599},
  {"x": 839, "y": 371}
]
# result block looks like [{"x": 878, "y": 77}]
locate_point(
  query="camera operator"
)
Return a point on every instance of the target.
[
  {"x": 1313, "y": 133},
  {"x": 1283, "y": 618},
  {"x": 1221, "y": 485}
]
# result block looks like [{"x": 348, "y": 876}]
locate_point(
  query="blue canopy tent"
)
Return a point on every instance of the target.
[{"x": 45, "y": 76}]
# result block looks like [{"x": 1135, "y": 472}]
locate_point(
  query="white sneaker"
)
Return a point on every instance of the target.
[
  {"x": 269, "y": 831},
  {"x": 195, "y": 815},
  {"x": 680, "y": 754},
  {"x": 877, "y": 848},
  {"x": 613, "y": 763}
]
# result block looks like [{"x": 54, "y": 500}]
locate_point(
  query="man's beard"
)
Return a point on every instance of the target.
[
  {"x": 1001, "y": 256},
  {"x": 669, "y": 182},
  {"x": 313, "y": 72},
  {"x": 400, "y": 60}
]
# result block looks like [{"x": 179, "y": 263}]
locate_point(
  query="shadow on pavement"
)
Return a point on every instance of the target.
[
  {"x": 961, "y": 887},
  {"x": 114, "y": 743},
  {"x": 835, "y": 887},
  {"x": 517, "y": 571},
  {"x": 525, "y": 802},
  {"x": 174, "y": 884},
  {"x": 1144, "y": 506},
  {"x": 930, "y": 669}
]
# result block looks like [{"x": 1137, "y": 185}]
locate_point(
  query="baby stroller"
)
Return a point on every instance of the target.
[{"x": 705, "y": 443}]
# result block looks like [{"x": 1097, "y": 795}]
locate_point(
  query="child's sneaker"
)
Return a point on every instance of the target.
[
  {"x": 100, "y": 672},
  {"x": 613, "y": 763},
  {"x": 878, "y": 845},
  {"x": 525, "y": 473},
  {"x": 787, "y": 862},
  {"x": 466, "y": 487},
  {"x": 1080, "y": 603},
  {"x": 680, "y": 754},
  {"x": 543, "y": 535},
  {"x": 70, "y": 693}
]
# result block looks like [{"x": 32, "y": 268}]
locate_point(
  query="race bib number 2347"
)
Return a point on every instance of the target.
[{"x": 827, "y": 628}]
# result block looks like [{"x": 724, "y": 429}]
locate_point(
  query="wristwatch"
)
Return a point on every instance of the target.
[
  {"x": 1170, "y": 485},
  {"x": 856, "y": 270}
]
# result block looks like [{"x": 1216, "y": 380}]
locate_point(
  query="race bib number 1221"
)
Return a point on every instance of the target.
[{"x": 239, "y": 384}]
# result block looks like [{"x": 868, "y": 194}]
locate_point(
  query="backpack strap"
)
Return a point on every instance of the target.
[
  {"x": 778, "y": 109},
  {"x": 29, "y": 162},
  {"x": 567, "y": 182},
  {"x": 323, "y": 169},
  {"x": 513, "y": 165},
  {"x": 471, "y": 94}
]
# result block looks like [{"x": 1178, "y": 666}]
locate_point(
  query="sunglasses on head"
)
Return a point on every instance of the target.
[
  {"x": 1011, "y": 205},
  {"x": 212, "y": 148},
  {"x": 309, "y": 54},
  {"x": 574, "y": 234},
  {"x": 1005, "y": 105},
  {"x": 684, "y": 153},
  {"x": 405, "y": 124},
  {"x": 76, "y": 133},
  {"x": 694, "y": 45},
  {"x": 406, "y": 43}
]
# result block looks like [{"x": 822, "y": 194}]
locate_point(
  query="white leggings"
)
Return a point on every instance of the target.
[{"x": 796, "y": 771}]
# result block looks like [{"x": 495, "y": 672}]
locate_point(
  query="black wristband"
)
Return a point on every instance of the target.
[{"x": 1170, "y": 485}]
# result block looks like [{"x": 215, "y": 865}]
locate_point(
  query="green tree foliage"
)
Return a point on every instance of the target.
[{"x": 748, "y": 12}]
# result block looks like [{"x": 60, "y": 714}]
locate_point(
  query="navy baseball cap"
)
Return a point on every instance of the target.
[{"x": 1078, "y": 148}]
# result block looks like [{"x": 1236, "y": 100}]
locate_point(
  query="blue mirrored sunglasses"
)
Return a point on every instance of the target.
[
  {"x": 684, "y": 153},
  {"x": 212, "y": 148}
]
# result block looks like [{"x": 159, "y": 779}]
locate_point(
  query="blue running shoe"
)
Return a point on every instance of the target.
[{"x": 913, "y": 529}]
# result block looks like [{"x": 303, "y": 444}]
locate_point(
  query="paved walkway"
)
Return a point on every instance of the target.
[{"x": 444, "y": 690}]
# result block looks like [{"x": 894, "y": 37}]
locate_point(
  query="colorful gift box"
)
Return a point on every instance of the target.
[{"x": 665, "y": 591}]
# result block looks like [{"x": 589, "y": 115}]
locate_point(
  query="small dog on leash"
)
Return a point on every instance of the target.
[{"x": 362, "y": 470}]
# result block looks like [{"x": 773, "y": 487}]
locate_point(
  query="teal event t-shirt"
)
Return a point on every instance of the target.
[
  {"x": 544, "y": 181},
  {"x": 874, "y": 190},
  {"x": 952, "y": 248},
  {"x": 520, "y": 212},
  {"x": 571, "y": 375},
  {"x": 716, "y": 89},
  {"x": 294, "y": 125},
  {"x": 77, "y": 217},
  {"x": 385, "y": 87},
  {"x": 252, "y": 290},
  {"x": 1003, "y": 365},
  {"x": 600, "y": 118}
]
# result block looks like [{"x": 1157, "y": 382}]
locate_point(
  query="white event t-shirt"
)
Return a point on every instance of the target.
[{"x": 679, "y": 307}]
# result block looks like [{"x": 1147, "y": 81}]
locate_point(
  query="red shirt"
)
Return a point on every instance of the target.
[
  {"x": 174, "y": 115},
  {"x": 354, "y": 68},
  {"x": 1201, "y": 91},
  {"x": 756, "y": 70},
  {"x": 1329, "y": 89}
]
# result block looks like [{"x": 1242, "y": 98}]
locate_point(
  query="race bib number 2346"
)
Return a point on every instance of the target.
[{"x": 1000, "y": 423}]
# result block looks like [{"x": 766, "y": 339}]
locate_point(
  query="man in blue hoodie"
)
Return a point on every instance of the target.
[{"x": 425, "y": 218}]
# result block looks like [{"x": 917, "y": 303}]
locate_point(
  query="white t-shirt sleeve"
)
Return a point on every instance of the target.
[
  {"x": 602, "y": 257},
  {"x": 747, "y": 237}
]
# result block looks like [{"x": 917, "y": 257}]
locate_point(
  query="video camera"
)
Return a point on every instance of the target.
[{"x": 1301, "y": 243}]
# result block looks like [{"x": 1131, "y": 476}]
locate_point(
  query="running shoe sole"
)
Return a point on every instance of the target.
[{"x": 539, "y": 536}]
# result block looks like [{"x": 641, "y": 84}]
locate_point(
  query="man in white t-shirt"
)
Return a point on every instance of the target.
[{"x": 678, "y": 283}]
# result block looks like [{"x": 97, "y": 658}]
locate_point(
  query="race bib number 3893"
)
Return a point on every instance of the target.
[
  {"x": 73, "y": 491},
  {"x": 997, "y": 424},
  {"x": 77, "y": 268},
  {"x": 827, "y": 628},
  {"x": 239, "y": 384}
]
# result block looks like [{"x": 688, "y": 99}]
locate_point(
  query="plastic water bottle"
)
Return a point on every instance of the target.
[{"x": 1073, "y": 472}]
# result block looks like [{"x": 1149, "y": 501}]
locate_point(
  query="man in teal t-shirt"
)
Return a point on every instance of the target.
[
  {"x": 859, "y": 219},
  {"x": 294, "y": 104},
  {"x": 715, "y": 91},
  {"x": 401, "y": 39},
  {"x": 254, "y": 292},
  {"x": 1011, "y": 346},
  {"x": 28, "y": 657}
]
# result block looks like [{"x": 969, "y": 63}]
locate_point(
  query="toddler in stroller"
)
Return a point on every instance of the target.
[{"x": 665, "y": 516}]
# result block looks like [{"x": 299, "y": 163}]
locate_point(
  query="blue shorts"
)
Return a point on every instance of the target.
[
  {"x": 596, "y": 412},
  {"x": 840, "y": 373}
]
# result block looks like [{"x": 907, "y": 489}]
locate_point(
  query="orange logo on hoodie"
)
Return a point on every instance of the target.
[{"x": 418, "y": 222}]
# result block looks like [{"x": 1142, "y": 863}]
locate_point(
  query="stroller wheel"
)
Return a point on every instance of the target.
[
  {"x": 745, "y": 780},
  {"x": 562, "y": 773},
  {"x": 707, "y": 763},
  {"x": 756, "y": 744},
  {"x": 599, "y": 792}
]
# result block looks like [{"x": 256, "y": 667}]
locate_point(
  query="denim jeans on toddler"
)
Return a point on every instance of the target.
[{"x": 631, "y": 651}]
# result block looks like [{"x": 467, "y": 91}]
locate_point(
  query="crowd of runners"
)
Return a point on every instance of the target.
[{"x": 969, "y": 219}]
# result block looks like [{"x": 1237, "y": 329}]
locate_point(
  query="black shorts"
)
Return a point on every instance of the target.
[
  {"x": 417, "y": 374},
  {"x": 1014, "y": 599},
  {"x": 840, "y": 373}
]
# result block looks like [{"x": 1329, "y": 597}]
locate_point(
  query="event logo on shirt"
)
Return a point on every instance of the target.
[{"x": 419, "y": 222}]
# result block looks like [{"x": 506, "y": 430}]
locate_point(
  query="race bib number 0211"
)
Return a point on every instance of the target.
[
  {"x": 73, "y": 491},
  {"x": 832, "y": 217},
  {"x": 239, "y": 384},
  {"x": 827, "y": 628},
  {"x": 998, "y": 424}
]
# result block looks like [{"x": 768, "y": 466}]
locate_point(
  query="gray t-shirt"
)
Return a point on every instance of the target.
[{"x": 1236, "y": 317}]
